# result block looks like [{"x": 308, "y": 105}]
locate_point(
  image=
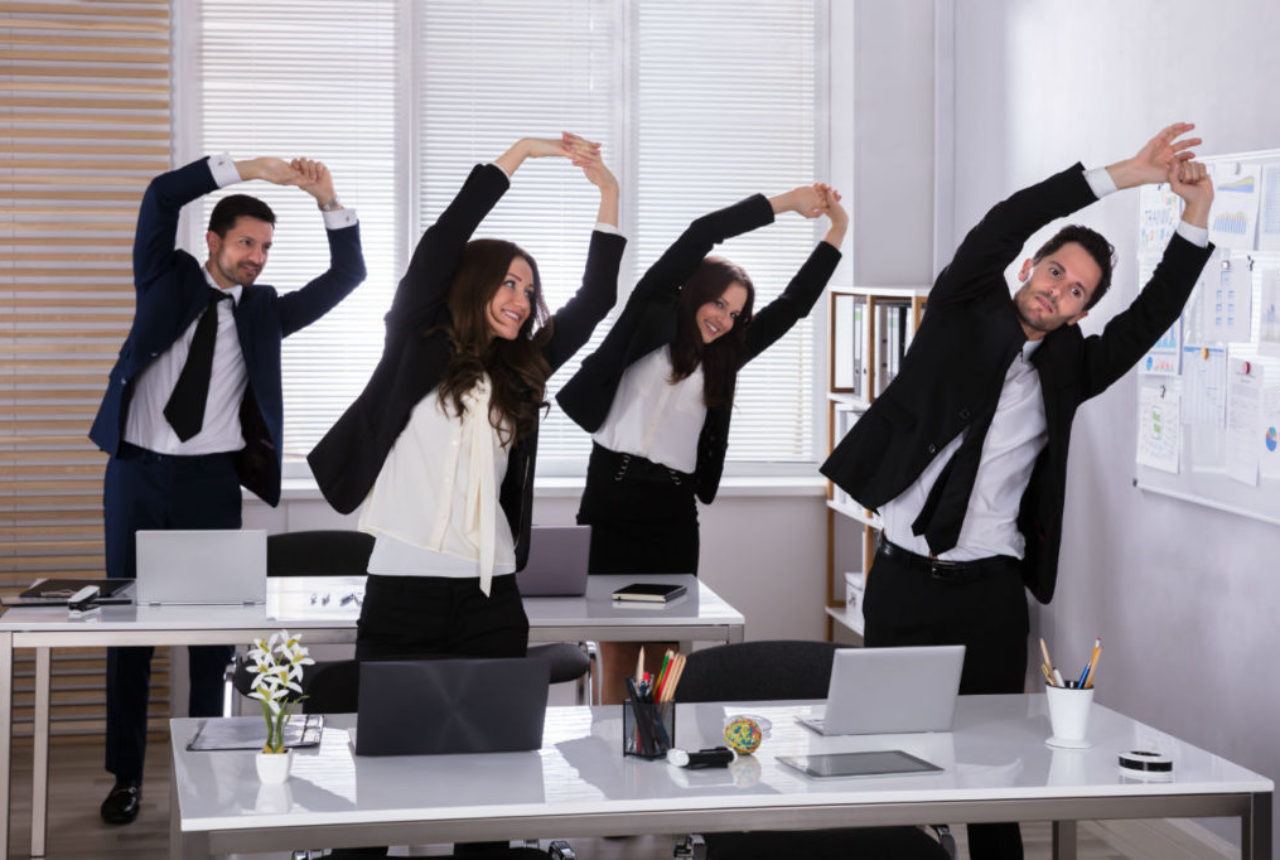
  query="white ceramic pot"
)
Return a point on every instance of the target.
[{"x": 273, "y": 768}]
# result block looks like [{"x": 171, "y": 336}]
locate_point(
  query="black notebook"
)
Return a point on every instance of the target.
[
  {"x": 649, "y": 592},
  {"x": 56, "y": 592}
]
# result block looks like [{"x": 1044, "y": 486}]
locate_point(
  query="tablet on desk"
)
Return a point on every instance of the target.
[
  {"x": 869, "y": 763},
  {"x": 649, "y": 592}
]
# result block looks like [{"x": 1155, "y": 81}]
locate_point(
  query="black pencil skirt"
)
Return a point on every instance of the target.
[{"x": 643, "y": 515}]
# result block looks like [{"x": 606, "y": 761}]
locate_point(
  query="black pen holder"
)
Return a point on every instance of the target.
[{"x": 648, "y": 728}]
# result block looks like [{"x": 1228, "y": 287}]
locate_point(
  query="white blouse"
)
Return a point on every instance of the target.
[
  {"x": 654, "y": 419},
  {"x": 434, "y": 507}
]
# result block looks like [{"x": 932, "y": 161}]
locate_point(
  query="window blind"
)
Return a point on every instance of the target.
[
  {"x": 84, "y": 104},
  {"x": 696, "y": 106}
]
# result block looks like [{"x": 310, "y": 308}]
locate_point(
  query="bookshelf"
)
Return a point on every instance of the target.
[{"x": 870, "y": 330}]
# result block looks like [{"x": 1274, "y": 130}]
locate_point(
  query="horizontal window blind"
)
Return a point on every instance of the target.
[
  {"x": 725, "y": 108},
  {"x": 696, "y": 106},
  {"x": 321, "y": 79},
  {"x": 84, "y": 105},
  {"x": 495, "y": 72}
]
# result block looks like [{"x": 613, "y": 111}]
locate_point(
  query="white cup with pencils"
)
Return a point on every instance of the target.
[{"x": 1070, "y": 700}]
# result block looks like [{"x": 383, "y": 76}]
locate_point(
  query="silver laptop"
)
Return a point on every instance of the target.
[
  {"x": 557, "y": 565},
  {"x": 891, "y": 690},
  {"x": 205, "y": 567}
]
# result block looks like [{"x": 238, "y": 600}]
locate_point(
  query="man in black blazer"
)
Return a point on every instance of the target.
[
  {"x": 964, "y": 454},
  {"x": 194, "y": 408}
]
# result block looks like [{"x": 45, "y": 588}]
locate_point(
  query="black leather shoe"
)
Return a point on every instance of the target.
[{"x": 122, "y": 803}]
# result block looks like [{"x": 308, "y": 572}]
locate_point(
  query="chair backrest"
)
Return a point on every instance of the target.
[
  {"x": 319, "y": 553},
  {"x": 768, "y": 670},
  {"x": 331, "y": 687}
]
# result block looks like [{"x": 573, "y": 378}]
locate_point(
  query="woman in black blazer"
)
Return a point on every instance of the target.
[
  {"x": 658, "y": 393},
  {"x": 469, "y": 347}
]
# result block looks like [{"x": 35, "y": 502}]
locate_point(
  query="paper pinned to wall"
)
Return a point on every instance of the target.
[
  {"x": 1269, "y": 311},
  {"x": 1244, "y": 420},
  {"x": 1233, "y": 218},
  {"x": 1269, "y": 455},
  {"x": 1205, "y": 370},
  {"x": 1160, "y": 210},
  {"x": 1159, "y": 424},
  {"x": 1227, "y": 301},
  {"x": 1269, "y": 216}
]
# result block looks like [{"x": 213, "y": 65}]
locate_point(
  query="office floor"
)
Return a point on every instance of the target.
[{"x": 78, "y": 784}]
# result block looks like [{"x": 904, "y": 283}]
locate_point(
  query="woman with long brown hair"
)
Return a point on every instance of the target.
[
  {"x": 440, "y": 445},
  {"x": 658, "y": 392}
]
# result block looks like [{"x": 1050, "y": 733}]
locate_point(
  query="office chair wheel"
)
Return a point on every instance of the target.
[
  {"x": 560, "y": 850},
  {"x": 690, "y": 847}
]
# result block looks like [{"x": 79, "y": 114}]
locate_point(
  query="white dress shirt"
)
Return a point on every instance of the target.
[
  {"x": 652, "y": 418},
  {"x": 434, "y": 508},
  {"x": 1018, "y": 432},
  {"x": 145, "y": 426}
]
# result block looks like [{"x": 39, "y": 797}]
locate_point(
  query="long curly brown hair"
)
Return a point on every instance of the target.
[
  {"x": 723, "y": 357},
  {"x": 517, "y": 369}
]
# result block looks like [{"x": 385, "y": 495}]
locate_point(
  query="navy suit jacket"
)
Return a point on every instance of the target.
[
  {"x": 956, "y": 364},
  {"x": 649, "y": 321},
  {"x": 171, "y": 291}
]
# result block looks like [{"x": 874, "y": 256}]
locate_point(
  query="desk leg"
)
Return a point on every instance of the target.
[
  {"x": 40, "y": 755},
  {"x": 1064, "y": 840},
  {"x": 1255, "y": 829},
  {"x": 6, "y": 734}
]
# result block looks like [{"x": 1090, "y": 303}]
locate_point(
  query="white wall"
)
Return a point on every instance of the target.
[{"x": 1185, "y": 598}]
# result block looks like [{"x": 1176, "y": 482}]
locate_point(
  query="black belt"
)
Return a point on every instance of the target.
[
  {"x": 633, "y": 467},
  {"x": 956, "y": 571},
  {"x": 129, "y": 451}
]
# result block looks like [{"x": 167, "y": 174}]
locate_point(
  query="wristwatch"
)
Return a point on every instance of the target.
[{"x": 331, "y": 206}]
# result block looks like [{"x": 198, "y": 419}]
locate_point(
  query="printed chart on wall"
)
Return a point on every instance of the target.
[{"x": 1209, "y": 390}]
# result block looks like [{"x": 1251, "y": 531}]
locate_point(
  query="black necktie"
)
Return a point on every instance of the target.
[
  {"x": 185, "y": 409},
  {"x": 943, "y": 512}
]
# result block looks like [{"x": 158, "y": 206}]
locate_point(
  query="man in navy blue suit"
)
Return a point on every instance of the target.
[{"x": 194, "y": 409}]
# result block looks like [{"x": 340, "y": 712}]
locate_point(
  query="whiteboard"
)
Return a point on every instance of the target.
[{"x": 1211, "y": 459}]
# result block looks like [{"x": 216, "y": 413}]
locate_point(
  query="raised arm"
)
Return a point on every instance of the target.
[
  {"x": 346, "y": 269},
  {"x": 157, "y": 228},
  {"x": 576, "y": 319},
  {"x": 1152, "y": 163},
  {"x": 1129, "y": 334},
  {"x": 776, "y": 318}
]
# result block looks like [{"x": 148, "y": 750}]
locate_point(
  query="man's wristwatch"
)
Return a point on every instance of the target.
[{"x": 332, "y": 206}]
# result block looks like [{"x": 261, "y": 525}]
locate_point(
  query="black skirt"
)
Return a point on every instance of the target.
[{"x": 643, "y": 515}]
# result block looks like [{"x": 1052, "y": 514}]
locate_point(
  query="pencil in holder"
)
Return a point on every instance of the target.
[{"x": 648, "y": 728}]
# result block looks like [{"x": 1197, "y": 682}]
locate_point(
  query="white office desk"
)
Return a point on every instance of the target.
[
  {"x": 996, "y": 768},
  {"x": 325, "y": 610}
]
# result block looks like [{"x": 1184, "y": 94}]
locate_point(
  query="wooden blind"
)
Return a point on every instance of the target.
[{"x": 84, "y": 124}]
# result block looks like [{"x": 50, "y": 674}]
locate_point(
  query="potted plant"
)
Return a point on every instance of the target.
[{"x": 276, "y": 665}]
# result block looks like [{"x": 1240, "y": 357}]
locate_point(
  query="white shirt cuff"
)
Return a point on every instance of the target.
[
  {"x": 500, "y": 167},
  {"x": 224, "y": 170},
  {"x": 1198, "y": 236},
  {"x": 1100, "y": 181},
  {"x": 339, "y": 218},
  {"x": 602, "y": 227}
]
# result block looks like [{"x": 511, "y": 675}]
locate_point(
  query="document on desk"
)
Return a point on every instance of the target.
[{"x": 250, "y": 733}]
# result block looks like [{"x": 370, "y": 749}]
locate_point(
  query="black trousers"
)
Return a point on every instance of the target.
[
  {"x": 143, "y": 490},
  {"x": 643, "y": 515},
  {"x": 984, "y": 610},
  {"x": 437, "y": 616}
]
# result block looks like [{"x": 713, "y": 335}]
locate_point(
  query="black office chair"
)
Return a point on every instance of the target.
[
  {"x": 790, "y": 669},
  {"x": 306, "y": 553}
]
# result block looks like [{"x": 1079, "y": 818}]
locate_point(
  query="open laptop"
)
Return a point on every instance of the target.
[
  {"x": 891, "y": 690},
  {"x": 201, "y": 567},
  {"x": 557, "y": 565},
  {"x": 432, "y": 707}
]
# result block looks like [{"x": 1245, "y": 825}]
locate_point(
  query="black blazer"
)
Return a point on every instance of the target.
[
  {"x": 649, "y": 321},
  {"x": 956, "y": 364},
  {"x": 346, "y": 462},
  {"x": 171, "y": 292}
]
